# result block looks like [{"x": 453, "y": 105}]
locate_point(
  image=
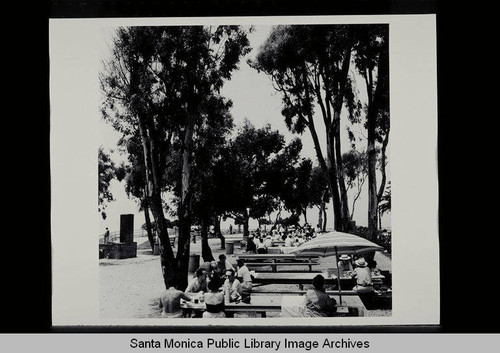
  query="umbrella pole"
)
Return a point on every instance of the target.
[{"x": 338, "y": 274}]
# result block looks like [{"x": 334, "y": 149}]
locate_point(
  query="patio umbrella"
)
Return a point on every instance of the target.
[{"x": 335, "y": 243}]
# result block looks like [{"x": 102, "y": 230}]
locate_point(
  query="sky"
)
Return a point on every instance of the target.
[{"x": 255, "y": 99}]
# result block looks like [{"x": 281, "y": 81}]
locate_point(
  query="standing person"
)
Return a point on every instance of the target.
[
  {"x": 318, "y": 303},
  {"x": 214, "y": 301},
  {"x": 246, "y": 281},
  {"x": 106, "y": 236},
  {"x": 170, "y": 300},
  {"x": 362, "y": 273}
]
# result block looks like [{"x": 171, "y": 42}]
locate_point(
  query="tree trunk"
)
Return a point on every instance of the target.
[
  {"x": 320, "y": 216},
  {"x": 206, "y": 252},
  {"x": 340, "y": 174},
  {"x": 333, "y": 184},
  {"x": 305, "y": 214},
  {"x": 167, "y": 258},
  {"x": 218, "y": 232},
  {"x": 374, "y": 100},
  {"x": 184, "y": 209},
  {"x": 324, "y": 218},
  {"x": 149, "y": 229},
  {"x": 372, "y": 178},
  {"x": 246, "y": 218}
]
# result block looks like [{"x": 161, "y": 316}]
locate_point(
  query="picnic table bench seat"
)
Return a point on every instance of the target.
[
  {"x": 263, "y": 304},
  {"x": 274, "y": 265}
]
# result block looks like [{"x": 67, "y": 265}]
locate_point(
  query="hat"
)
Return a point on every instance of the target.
[
  {"x": 344, "y": 257},
  {"x": 361, "y": 262}
]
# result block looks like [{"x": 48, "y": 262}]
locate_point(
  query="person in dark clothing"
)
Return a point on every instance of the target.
[
  {"x": 251, "y": 247},
  {"x": 318, "y": 303}
]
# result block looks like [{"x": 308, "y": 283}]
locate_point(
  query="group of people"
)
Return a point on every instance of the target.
[
  {"x": 216, "y": 283},
  {"x": 319, "y": 303},
  {"x": 360, "y": 269},
  {"x": 259, "y": 242}
]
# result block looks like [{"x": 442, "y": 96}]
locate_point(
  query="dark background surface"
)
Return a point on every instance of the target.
[{"x": 468, "y": 296}]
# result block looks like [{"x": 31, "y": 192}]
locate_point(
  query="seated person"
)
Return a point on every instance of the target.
[
  {"x": 209, "y": 266},
  {"x": 362, "y": 273},
  {"x": 373, "y": 267},
  {"x": 268, "y": 242},
  {"x": 289, "y": 241},
  {"x": 223, "y": 265},
  {"x": 318, "y": 303},
  {"x": 246, "y": 281},
  {"x": 261, "y": 246},
  {"x": 198, "y": 283},
  {"x": 214, "y": 301},
  {"x": 170, "y": 300},
  {"x": 251, "y": 247},
  {"x": 344, "y": 263},
  {"x": 232, "y": 286}
]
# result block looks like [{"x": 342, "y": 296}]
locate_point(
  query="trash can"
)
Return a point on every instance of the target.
[
  {"x": 229, "y": 247},
  {"x": 194, "y": 263}
]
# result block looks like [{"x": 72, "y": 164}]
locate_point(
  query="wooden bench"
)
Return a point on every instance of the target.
[
  {"x": 263, "y": 304},
  {"x": 283, "y": 257},
  {"x": 300, "y": 278},
  {"x": 275, "y": 264},
  {"x": 302, "y": 292}
]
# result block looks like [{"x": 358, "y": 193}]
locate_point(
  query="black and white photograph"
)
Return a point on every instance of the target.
[{"x": 244, "y": 171}]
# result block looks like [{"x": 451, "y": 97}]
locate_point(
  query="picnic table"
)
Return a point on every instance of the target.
[
  {"x": 301, "y": 278},
  {"x": 287, "y": 305},
  {"x": 274, "y": 260}
]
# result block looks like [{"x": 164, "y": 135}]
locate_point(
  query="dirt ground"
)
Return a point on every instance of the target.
[{"x": 130, "y": 288}]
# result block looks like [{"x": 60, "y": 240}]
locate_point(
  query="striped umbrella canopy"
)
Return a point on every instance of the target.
[
  {"x": 335, "y": 243},
  {"x": 327, "y": 244}
]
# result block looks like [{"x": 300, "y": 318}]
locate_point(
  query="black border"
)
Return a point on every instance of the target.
[
  {"x": 28, "y": 266},
  {"x": 195, "y": 8}
]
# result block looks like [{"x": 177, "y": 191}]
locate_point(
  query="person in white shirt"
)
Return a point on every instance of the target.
[
  {"x": 268, "y": 242},
  {"x": 289, "y": 241},
  {"x": 232, "y": 286},
  {"x": 198, "y": 283},
  {"x": 261, "y": 246},
  {"x": 362, "y": 273},
  {"x": 246, "y": 281}
]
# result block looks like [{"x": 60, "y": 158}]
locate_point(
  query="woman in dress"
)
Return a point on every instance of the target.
[{"x": 214, "y": 301}]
